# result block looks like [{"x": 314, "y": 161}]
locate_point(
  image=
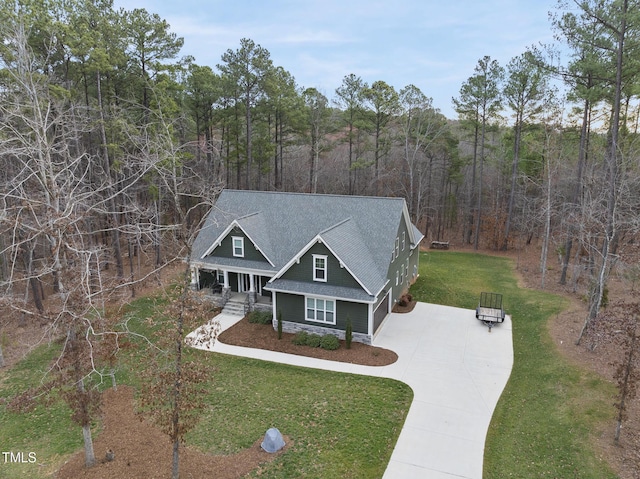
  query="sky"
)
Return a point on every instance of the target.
[{"x": 432, "y": 44}]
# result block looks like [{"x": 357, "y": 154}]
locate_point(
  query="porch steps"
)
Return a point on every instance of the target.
[{"x": 234, "y": 307}]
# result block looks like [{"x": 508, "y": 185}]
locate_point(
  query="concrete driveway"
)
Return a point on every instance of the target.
[{"x": 457, "y": 371}]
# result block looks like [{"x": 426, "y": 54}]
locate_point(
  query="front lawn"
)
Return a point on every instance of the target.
[
  {"x": 545, "y": 421},
  {"x": 345, "y": 426},
  {"x": 341, "y": 425}
]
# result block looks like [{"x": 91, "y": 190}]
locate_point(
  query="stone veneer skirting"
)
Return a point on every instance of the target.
[
  {"x": 262, "y": 307},
  {"x": 291, "y": 327}
]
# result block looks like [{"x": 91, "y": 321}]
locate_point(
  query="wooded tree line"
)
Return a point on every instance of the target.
[{"x": 112, "y": 145}]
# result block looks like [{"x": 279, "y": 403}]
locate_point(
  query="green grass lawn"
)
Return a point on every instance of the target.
[
  {"x": 341, "y": 425},
  {"x": 546, "y": 419},
  {"x": 345, "y": 426}
]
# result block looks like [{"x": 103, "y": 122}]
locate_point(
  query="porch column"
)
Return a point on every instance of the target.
[
  {"x": 195, "y": 278},
  {"x": 252, "y": 291},
  {"x": 226, "y": 290}
]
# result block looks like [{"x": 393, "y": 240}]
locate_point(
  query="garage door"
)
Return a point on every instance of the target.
[{"x": 381, "y": 312}]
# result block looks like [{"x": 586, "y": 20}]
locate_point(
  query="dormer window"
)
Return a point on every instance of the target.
[
  {"x": 319, "y": 268},
  {"x": 238, "y": 246}
]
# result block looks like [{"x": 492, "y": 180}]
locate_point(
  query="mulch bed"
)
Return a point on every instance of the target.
[
  {"x": 263, "y": 336},
  {"x": 142, "y": 451},
  {"x": 404, "y": 309}
]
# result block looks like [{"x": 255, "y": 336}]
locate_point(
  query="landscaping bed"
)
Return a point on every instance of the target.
[
  {"x": 141, "y": 450},
  {"x": 263, "y": 336}
]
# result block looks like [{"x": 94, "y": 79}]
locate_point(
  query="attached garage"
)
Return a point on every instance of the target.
[{"x": 381, "y": 312}]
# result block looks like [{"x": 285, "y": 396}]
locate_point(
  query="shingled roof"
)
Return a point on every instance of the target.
[{"x": 360, "y": 230}]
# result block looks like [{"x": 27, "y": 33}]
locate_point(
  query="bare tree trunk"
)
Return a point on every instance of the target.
[
  {"x": 131, "y": 269},
  {"x": 582, "y": 155},
  {"x": 627, "y": 382},
  {"x": 27, "y": 258},
  {"x": 175, "y": 464},
  {"x": 4, "y": 272},
  {"x": 156, "y": 235},
  {"x": 514, "y": 176},
  {"x": 249, "y": 139},
  {"x": 476, "y": 238},
  {"x": 110, "y": 190},
  {"x": 177, "y": 389},
  {"x": 89, "y": 456},
  {"x": 547, "y": 226},
  {"x": 472, "y": 187},
  {"x": 276, "y": 151}
]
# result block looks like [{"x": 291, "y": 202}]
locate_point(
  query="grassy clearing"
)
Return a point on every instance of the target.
[
  {"x": 342, "y": 426},
  {"x": 45, "y": 430},
  {"x": 544, "y": 422}
]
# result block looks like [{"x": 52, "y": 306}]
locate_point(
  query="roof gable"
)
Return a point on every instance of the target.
[
  {"x": 254, "y": 228},
  {"x": 344, "y": 255}
]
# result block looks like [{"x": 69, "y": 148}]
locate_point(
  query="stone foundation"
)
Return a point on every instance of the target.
[
  {"x": 291, "y": 327},
  {"x": 257, "y": 306},
  {"x": 226, "y": 294}
]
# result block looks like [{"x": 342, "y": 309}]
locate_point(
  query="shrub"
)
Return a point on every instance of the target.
[
  {"x": 409, "y": 297},
  {"x": 300, "y": 339},
  {"x": 348, "y": 334},
  {"x": 313, "y": 340},
  {"x": 260, "y": 317},
  {"x": 329, "y": 342},
  {"x": 279, "y": 324},
  {"x": 402, "y": 302}
]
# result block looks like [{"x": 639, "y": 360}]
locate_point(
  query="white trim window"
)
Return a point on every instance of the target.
[
  {"x": 397, "y": 276},
  {"x": 397, "y": 246},
  {"x": 402, "y": 273},
  {"x": 320, "y": 310},
  {"x": 320, "y": 268},
  {"x": 407, "y": 270},
  {"x": 237, "y": 243},
  {"x": 403, "y": 240}
]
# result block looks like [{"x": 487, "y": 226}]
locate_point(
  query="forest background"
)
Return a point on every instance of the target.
[{"x": 112, "y": 144}]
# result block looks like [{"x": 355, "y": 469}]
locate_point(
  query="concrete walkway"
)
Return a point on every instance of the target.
[{"x": 457, "y": 371}]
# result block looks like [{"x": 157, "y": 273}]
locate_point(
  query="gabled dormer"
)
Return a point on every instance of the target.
[
  {"x": 336, "y": 256},
  {"x": 243, "y": 238},
  {"x": 318, "y": 264}
]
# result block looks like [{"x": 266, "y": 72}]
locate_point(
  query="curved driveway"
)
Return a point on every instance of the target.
[{"x": 457, "y": 371}]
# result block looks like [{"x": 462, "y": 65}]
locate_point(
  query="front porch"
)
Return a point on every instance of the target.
[
  {"x": 237, "y": 303},
  {"x": 238, "y": 280}
]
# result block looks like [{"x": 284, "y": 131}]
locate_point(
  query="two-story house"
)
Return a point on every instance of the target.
[{"x": 318, "y": 260}]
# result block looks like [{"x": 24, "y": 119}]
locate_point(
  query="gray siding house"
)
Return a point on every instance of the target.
[{"x": 318, "y": 260}]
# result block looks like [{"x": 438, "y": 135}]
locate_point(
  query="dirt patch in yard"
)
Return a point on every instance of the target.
[{"x": 263, "y": 336}]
